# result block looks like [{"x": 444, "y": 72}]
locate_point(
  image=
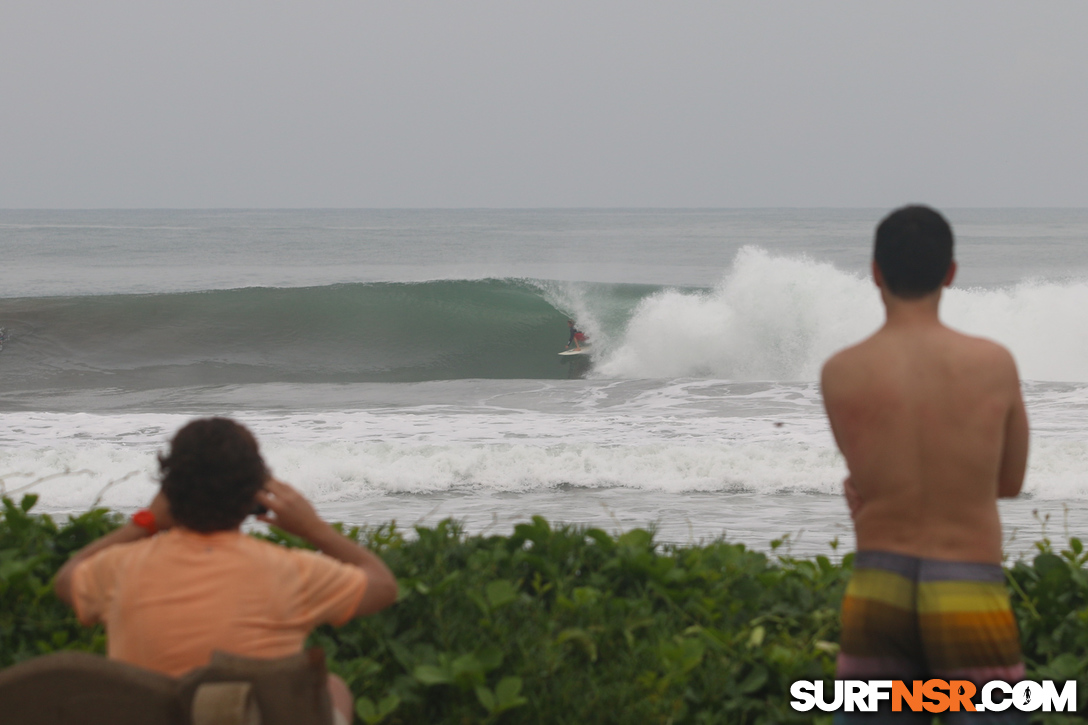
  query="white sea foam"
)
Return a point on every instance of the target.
[
  {"x": 770, "y": 318},
  {"x": 677, "y": 437},
  {"x": 779, "y": 318},
  {"x": 339, "y": 471}
]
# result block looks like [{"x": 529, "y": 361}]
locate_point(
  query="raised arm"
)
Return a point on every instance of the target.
[
  {"x": 159, "y": 507},
  {"x": 289, "y": 510}
]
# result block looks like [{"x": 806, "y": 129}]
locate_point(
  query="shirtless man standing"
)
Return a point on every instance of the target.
[{"x": 933, "y": 428}]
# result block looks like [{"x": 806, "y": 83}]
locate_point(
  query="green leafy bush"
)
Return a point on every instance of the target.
[
  {"x": 563, "y": 624},
  {"x": 32, "y": 548},
  {"x": 572, "y": 625},
  {"x": 1050, "y": 598}
]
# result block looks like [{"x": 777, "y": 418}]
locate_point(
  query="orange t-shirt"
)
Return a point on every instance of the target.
[{"x": 168, "y": 601}]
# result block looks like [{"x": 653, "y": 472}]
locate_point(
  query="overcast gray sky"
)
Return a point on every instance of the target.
[{"x": 471, "y": 103}]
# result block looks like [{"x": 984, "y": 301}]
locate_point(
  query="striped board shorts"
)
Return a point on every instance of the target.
[{"x": 907, "y": 618}]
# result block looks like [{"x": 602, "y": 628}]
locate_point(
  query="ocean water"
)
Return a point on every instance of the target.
[{"x": 401, "y": 364}]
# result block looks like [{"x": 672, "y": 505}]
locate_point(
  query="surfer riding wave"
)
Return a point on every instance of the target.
[{"x": 577, "y": 337}]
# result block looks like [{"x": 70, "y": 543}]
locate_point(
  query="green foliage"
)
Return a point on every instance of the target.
[
  {"x": 32, "y": 548},
  {"x": 559, "y": 624},
  {"x": 562, "y": 624},
  {"x": 1050, "y": 598},
  {"x": 373, "y": 714}
]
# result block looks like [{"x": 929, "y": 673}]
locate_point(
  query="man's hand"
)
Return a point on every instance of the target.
[
  {"x": 160, "y": 508},
  {"x": 289, "y": 510},
  {"x": 853, "y": 498}
]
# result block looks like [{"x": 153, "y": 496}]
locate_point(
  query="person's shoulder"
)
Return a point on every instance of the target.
[
  {"x": 311, "y": 571},
  {"x": 263, "y": 548},
  {"x": 986, "y": 346},
  {"x": 114, "y": 559},
  {"x": 280, "y": 555},
  {"x": 985, "y": 351},
  {"x": 985, "y": 361},
  {"x": 124, "y": 551},
  {"x": 273, "y": 558},
  {"x": 846, "y": 363}
]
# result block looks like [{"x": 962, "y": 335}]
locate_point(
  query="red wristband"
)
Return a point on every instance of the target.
[{"x": 145, "y": 520}]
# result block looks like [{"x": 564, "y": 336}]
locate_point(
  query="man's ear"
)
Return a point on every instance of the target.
[
  {"x": 878, "y": 276},
  {"x": 950, "y": 274}
]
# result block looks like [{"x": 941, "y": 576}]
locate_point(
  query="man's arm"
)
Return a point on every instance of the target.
[
  {"x": 829, "y": 378},
  {"x": 1014, "y": 458},
  {"x": 289, "y": 510},
  {"x": 62, "y": 584},
  {"x": 854, "y": 500}
]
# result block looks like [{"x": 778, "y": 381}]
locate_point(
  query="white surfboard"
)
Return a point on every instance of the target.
[{"x": 583, "y": 351}]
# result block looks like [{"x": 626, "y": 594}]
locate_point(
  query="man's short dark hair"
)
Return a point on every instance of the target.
[
  {"x": 913, "y": 250},
  {"x": 211, "y": 474}
]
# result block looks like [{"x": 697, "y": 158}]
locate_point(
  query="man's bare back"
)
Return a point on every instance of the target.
[{"x": 933, "y": 428}]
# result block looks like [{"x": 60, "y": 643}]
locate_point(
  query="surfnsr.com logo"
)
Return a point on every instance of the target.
[{"x": 934, "y": 696}]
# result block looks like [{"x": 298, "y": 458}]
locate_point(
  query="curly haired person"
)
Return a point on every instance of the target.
[{"x": 181, "y": 580}]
